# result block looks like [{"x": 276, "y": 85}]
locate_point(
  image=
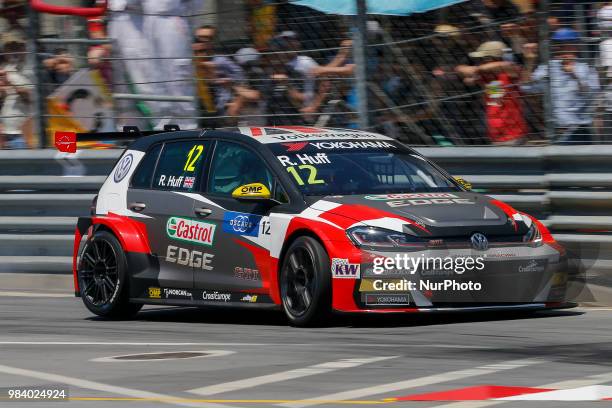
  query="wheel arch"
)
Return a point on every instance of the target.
[{"x": 300, "y": 232}]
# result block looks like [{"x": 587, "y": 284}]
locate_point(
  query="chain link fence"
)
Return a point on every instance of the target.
[{"x": 478, "y": 72}]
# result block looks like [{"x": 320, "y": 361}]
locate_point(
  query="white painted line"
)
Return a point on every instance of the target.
[
  {"x": 416, "y": 382},
  {"x": 589, "y": 393},
  {"x": 8, "y": 293},
  {"x": 286, "y": 375},
  {"x": 96, "y": 386},
  {"x": 205, "y": 353},
  {"x": 566, "y": 384},
  {"x": 100, "y": 343},
  {"x": 120, "y": 343}
]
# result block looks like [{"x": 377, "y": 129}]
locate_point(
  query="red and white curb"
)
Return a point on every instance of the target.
[{"x": 509, "y": 393}]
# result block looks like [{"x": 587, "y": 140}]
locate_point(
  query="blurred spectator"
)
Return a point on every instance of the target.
[
  {"x": 573, "y": 86},
  {"x": 12, "y": 13},
  {"x": 97, "y": 54},
  {"x": 167, "y": 29},
  {"x": 217, "y": 74},
  {"x": 504, "y": 113},
  {"x": 248, "y": 103},
  {"x": 282, "y": 90},
  {"x": 449, "y": 49},
  {"x": 604, "y": 17},
  {"x": 309, "y": 70},
  {"x": 59, "y": 67},
  {"x": 15, "y": 94},
  {"x": 134, "y": 67}
]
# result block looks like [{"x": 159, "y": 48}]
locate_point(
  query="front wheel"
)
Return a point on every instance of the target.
[
  {"x": 305, "y": 283},
  {"x": 102, "y": 276}
]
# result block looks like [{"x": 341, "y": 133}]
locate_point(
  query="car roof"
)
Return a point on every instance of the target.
[{"x": 262, "y": 135}]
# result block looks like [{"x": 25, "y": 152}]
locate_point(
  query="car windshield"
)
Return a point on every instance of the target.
[{"x": 359, "y": 167}]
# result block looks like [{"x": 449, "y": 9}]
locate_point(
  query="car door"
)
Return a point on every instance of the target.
[
  {"x": 176, "y": 236},
  {"x": 242, "y": 227}
]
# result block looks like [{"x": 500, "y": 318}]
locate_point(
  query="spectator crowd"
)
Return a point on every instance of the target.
[{"x": 471, "y": 73}]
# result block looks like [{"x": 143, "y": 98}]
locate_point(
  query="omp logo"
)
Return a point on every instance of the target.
[
  {"x": 342, "y": 268},
  {"x": 154, "y": 293},
  {"x": 123, "y": 168},
  {"x": 241, "y": 223},
  {"x": 186, "y": 229},
  {"x": 251, "y": 189}
]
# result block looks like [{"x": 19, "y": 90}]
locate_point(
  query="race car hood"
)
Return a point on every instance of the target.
[{"x": 442, "y": 214}]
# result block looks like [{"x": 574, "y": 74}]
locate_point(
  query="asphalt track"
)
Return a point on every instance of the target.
[{"x": 256, "y": 360}]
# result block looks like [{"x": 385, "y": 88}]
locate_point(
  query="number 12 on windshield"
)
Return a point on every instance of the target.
[{"x": 312, "y": 174}]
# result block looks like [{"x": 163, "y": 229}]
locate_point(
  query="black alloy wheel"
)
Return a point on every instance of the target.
[
  {"x": 102, "y": 276},
  {"x": 306, "y": 282}
]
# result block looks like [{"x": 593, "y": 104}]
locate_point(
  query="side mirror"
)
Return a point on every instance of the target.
[
  {"x": 253, "y": 191},
  {"x": 463, "y": 183}
]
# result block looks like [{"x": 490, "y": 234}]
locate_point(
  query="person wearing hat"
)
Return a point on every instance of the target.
[
  {"x": 499, "y": 78},
  {"x": 573, "y": 86}
]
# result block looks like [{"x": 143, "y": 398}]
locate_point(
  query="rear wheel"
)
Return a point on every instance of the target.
[
  {"x": 102, "y": 276},
  {"x": 305, "y": 283}
]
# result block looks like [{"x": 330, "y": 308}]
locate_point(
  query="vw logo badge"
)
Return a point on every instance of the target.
[
  {"x": 123, "y": 168},
  {"x": 479, "y": 242}
]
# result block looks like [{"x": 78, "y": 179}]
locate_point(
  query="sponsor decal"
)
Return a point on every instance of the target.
[
  {"x": 295, "y": 147},
  {"x": 123, "y": 168},
  {"x": 189, "y": 182},
  {"x": 352, "y": 145},
  {"x": 195, "y": 259},
  {"x": 177, "y": 293},
  {"x": 190, "y": 230},
  {"x": 241, "y": 223},
  {"x": 337, "y": 145},
  {"x": 216, "y": 296},
  {"x": 342, "y": 268},
  {"x": 431, "y": 201},
  {"x": 298, "y": 136},
  {"x": 400, "y": 196},
  {"x": 387, "y": 299},
  {"x": 532, "y": 266},
  {"x": 249, "y": 298},
  {"x": 246, "y": 273},
  {"x": 154, "y": 293},
  {"x": 251, "y": 189},
  {"x": 319, "y": 158}
]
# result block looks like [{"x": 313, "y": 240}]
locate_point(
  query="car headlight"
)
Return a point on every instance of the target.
[
  {"x": 383, "y": 239},
  {"x": 533, "y": 236}
]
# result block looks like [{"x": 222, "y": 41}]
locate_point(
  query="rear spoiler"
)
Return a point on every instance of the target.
[{"x": 67, "y": 141}]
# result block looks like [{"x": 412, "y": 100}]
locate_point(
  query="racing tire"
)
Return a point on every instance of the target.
[
  {"x": 305, "y": 283},
  {"x": 103, "y": 279}
]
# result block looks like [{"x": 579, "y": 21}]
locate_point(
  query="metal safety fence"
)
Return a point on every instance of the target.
[
  {"x": 568, "y": 188},
  {"x": 475, "y": 72}
]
